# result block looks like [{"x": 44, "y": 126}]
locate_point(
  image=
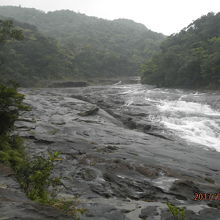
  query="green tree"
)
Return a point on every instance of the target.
[
  {"x": 189, "y": 59},
  {"x": 11, "y": 103},
  {"x": 10, "y": 100},
  {"x": 8, "y": 32},
  {"x": 91, "y": 47}
]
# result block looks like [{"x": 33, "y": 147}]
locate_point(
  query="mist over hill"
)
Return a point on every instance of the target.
[{"x": 92, "y": 46}]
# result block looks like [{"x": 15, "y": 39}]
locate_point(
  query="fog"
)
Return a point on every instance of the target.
[{"x": 162, "y": 16}]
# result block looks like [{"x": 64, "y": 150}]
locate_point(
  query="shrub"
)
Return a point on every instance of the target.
[
  {"x": 177, "y": 212},
  {"x": 11, "y": 103},
  {"x": 34, "y": 177}
]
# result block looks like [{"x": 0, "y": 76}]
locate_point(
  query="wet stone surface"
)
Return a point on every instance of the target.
[{"x": 119, "y": 164}]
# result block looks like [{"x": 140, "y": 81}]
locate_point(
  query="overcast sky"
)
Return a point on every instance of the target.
[{"x": 165, "y": 16}]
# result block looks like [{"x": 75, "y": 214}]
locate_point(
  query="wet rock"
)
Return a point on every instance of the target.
[
  {"x": 185, "y": 188},
  {"x": 205, "y": 214},
  {"x": 101, "y": 190},
  {"x": 120, "y": 165},
  {"x": 121, "y": 186},
  {"x": 148, "y": 212},
  {"x": 26, "y": 126},
  {"x": 15, "y": 205},
  {"x": 39, "y": 141},
  {"x": 121, "y": 102},
  {"x": 57, "y": 121},
  {"x": 125, "y": 187},
  {"x": 102, "y": 212},
  {"x": 5, "y": 170},
  {"x": 7, "y": 178},
  {"x": 137, "y": 114},
  {"x": 102, "y": 170},
  {"x": 46, "y": 142},
  {"x": 91, "y": 111},
  {"x": 68, "y": 84},
  {"x": 129, "y": 123},
  {"x": 139, "y": 104},
  {"x": 210, "y": 180},
  {"x": 147, "y": 128},
  {"x": 158, "y": 135},
  {"x": 147, "y": 171},
  {"x": 29, "y": 120},
  {"x": 166, "y": 215},
  {"x": 211, "y": 214},
  {"x": 214, "y": 204},
  {"x": 86, "y": 174},
  {"x": 108, "y": 149}
]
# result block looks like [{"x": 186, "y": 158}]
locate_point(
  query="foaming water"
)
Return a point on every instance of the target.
[
  {"x": 195, "y": 122},
  {"x": 188, "y": 108},
  {"x": 195, "y": 129},
  {"x": 192, "y": 116}
]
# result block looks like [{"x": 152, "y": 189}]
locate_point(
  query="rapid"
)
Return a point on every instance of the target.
[{"x": 190, "y": 115}]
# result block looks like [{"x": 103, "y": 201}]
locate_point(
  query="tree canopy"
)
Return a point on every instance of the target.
[
  {"x": 10, "y": 100},
  {"x": 8, "y": 32},
  {"x": 34, "y": 58},
  {"x": 65, "y": 44},
  {"x": 189, "y": 59}
]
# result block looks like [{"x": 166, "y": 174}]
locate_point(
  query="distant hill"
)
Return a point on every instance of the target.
[
  {"x": 97, "y": 47},
  {"x": 33, "y": 59},
  {"x": 189, "y": 59}
]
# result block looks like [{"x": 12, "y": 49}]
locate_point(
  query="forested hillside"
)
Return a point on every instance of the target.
[
  {"x": 95, "y": 47},
  {"x": 32, "y": 59},
  {"x": 189, "y": 59}
]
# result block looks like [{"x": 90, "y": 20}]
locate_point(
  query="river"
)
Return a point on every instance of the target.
[
  {"x": 191, "y": 115},
  {"x": 128, "y": 149}
]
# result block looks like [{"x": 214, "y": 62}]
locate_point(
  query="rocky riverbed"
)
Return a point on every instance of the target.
[{"x": 115, "y": 159}]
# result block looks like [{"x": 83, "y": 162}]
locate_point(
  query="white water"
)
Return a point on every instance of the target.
[
  {"x": 192, "y": 116},
  {"x": 195, "y": 122}
]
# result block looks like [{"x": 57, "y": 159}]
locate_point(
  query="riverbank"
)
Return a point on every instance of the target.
[{"x": 119, "y": 163}]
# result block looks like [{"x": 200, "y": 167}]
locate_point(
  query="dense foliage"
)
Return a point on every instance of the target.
[
  {"x": 34, "y": 58},
  {"x": 11, "y": 102},
  {"x": 88, "y": 46},
  {"x": 189, "y": 59},
  {"x": 8, "y": 32},
  {"x": 10, "y": 105}
]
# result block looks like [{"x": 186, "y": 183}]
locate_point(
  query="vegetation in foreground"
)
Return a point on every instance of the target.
[
  {"x": 34, "y": 175},
  {"x": 189, "y": 59},
  {"x": 177, "y": 212}
]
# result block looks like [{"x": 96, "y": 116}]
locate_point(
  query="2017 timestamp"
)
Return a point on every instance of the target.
[{"x": 206, "y": 196}]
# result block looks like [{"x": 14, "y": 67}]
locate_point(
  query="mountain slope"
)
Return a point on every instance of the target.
[
  {"x": 33, "y": 59},
  {"x": 189, "y": 59},
  {"x": 99, "y": 47}
]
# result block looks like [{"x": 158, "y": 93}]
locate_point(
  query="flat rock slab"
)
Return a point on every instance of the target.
[
  {"x": 116, "y": 159},
  {"x": 15, "y": 205}
]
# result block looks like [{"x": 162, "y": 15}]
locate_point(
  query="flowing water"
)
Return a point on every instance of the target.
[{"x": 190, "y": 115}]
